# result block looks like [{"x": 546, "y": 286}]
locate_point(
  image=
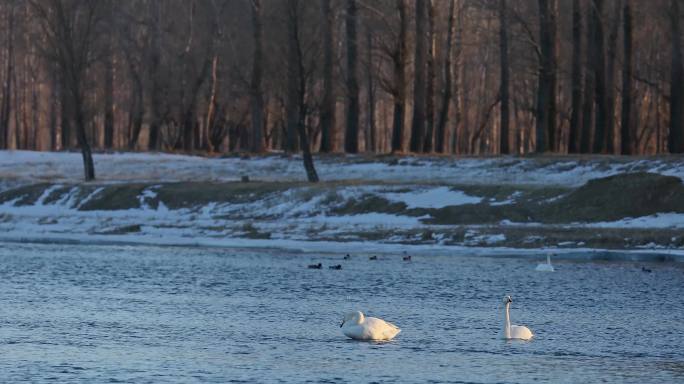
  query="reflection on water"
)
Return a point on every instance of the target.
[{"x": 72, "y": 313}]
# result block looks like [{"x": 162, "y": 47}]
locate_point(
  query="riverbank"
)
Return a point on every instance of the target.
[{"x": 526, "y": 204}]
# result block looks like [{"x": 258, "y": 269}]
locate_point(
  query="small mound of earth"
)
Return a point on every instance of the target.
[{"x": 616, "y": 197}]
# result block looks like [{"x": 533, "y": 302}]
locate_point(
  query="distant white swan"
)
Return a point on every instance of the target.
[
  {"x": 359, "y": 327},
  {"x": 514, "y": 331},
  {"x": 545, "y": 267}
]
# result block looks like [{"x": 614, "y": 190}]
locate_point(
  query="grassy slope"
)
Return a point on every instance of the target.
[{"x": 606, "y": 199}]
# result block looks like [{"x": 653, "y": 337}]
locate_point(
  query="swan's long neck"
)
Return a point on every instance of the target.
[
  {"x": 548, "y": 259},
  {"x": 507, "y": 324},
  {"x": 360, "y": 318}
]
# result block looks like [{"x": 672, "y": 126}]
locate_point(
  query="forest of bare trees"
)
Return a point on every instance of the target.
[{"x": 464, "y": 77}]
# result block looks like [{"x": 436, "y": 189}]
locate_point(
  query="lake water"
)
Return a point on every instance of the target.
[{"x": 80, "y": 313}]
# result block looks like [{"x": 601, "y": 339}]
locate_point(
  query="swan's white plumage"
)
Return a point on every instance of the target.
[
  {"x": 545, "y": 267},
  {"x": 359, "y": 327},
  {"x": 520, "y": 332}
]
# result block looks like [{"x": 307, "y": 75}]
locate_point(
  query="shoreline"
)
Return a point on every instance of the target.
[
  {"x": 600, "y": 206},
  {"x": 364, "y": 248}
]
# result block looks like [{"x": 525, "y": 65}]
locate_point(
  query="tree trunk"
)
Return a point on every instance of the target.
[
  {"x": 370, "y": 89},
  {"x": 430, "y": 97},
  {"x": 626, "y": 133},
  {"x": 108, "y": 73},
  {"x": 7, "y": 91},
  {"x": 17, "y": 112},
  {"x": 311, "y": 174},
  {"x": 328, "y": 106},
  {"x": 52, "y": 113},
  {"x": 191, "y": 137},
  {"x": 155, "y": 58},
  {"x": 351, "y": 135},
  {"x": 137, "y": 113},
  {"x": 109, "y": 96},
  {"x": 399, "y": 59},
  {"x": 212, "y": 104},
  {"x": 291, "y": 102},
  {"x": 440, "y": 134},
  {"x": 589, "y": 88},
  {"x": 76, "y": 94},
  {"x": 542, "y": 108},
  {"x": 598, "y": 59},
  {"x": 553, "y": 76},
  {"x": 257, "y": 102},
  {"x": 66, "y": 114},
  {"x": 304, "y": 143},
  {"x": 35, "y": 116},
  {"x": 676, "y": 139},
  {"x": 505, "y": 76},
  {"x": 459, "y": 91},
  {"x": 576, "y": 117},
  {"x": 610, "y": 79},
  {"x": 546, "y": 91},
  {"x": 419, "y": 90}
]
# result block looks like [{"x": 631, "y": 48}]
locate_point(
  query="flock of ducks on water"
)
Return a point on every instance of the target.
[
  {"x": 357, "y": 326},
  {"x": 348, "y": 257}
]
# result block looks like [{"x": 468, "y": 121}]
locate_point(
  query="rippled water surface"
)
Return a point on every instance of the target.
[{"x": 76, "y": 313}]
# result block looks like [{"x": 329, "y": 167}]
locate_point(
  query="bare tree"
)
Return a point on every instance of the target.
[
  {"x": 576, "y": 117},
  {"x": 505, "y": 77},
  {"x": 430, "y": 97},
  {"x": 193, "y": 76},
  {"x": 292, "y": 103},
  {"x": 419, "y": 84},
  {"x": 626, "y": 134},
  {"x": 297, "y": 87},
  {"x": 598, "y": 61},
  {"x": 440, "y": 137},
  {"x": 70, "y": 29},
  {"x": 7, "y": 86},
  {"x": 399, "y": 91},
  {"x": 328, "y": 106},
  {"x": 610, "y": 77},
  {"x": 257, "y": 102},
  {"x": 154, "y": 21},
  {"x": 371, "y": 140},
  {"x": 108, "y": 59},
  {"x": 459, "y": 91},
  {"x": 180, "y": 82},
  {"x": 676, "y": 140},
  {"x": 546, "y": 92},
  {"x": 351, "y": 135},
  {"x": 589, "y": 86},
  {"x": 52, "y": 109}
]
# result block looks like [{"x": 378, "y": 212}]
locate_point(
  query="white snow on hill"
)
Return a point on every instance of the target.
[
  {"x": 659, "y": 220},
  {"x": 298, "y": 214},
  {"x": 26, "y": 166},
  {"x": 432, "y": 198}
]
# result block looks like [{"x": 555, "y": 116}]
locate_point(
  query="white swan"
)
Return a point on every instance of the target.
[
  {"x": 359, "y": 327},
  {"x": 545, "y": 267},
  {"x": 514, "y": 331}
]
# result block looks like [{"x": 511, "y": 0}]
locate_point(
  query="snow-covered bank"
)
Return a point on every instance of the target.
[
  {"x": 378, "y": 215},
  {"x": 448, "y": 203},
  {"x": 27, "y": 166}
]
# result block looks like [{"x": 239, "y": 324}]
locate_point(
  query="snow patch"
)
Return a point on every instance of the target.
[
  {"x": 658, "y": 220},
  {"x": 29, "y": 166},
  {"x": 439, "y": 197}
]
